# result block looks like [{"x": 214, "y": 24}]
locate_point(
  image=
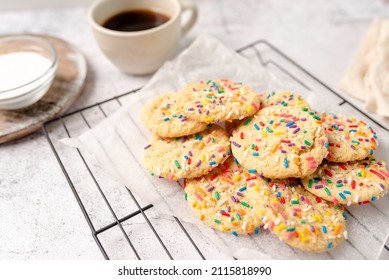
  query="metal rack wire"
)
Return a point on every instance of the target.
[{"x": 255, "y": 50}]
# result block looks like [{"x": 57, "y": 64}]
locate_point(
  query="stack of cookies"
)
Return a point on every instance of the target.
[
  {"x": 186, "y": 144},
  {"x": 281, "y": 167}
]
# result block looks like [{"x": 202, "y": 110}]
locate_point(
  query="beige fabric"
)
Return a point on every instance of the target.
[{"x": 368, "y": 76}]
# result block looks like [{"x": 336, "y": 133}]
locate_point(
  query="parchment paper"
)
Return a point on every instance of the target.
[{"x": 117, "y": 143}]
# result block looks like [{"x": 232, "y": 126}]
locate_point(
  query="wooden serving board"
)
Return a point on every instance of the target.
[{"x": 66, "y": 88}]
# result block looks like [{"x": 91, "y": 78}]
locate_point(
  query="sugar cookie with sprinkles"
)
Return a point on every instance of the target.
[
  {"x": 280, "y": 142},
  {"x": 299, "y": 218},
  {"x": 188, "y": 156},
  {"x": 163, "y": 115},
  {"x": 357, "y": 182},
  {"x": 215, "y": 101},
  {"x": 348, "y": 138},
  {"x": 220, "y": 199},
  {"x": 284, "y": 98}
]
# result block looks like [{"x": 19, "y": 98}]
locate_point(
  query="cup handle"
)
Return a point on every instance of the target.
[{"x": 192, "y": 7}]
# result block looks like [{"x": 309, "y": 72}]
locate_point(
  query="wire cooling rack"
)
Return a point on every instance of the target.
[{"x": 111, "y": 226}]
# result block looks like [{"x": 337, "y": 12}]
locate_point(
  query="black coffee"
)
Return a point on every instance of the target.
[{"x": 135, "y": 20}]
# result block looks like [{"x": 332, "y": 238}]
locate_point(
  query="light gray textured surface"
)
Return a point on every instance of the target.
[{"x": 39, "y": 217}]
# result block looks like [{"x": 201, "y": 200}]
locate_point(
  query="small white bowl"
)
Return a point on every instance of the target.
[{"x": 34, "y": 88}]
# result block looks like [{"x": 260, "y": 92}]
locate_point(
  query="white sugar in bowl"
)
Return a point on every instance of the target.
[{"x": 27, "y": 69}]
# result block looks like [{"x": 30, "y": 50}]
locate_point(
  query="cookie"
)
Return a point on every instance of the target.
[
  {"x": 188, "y": 156},
  {"x": 280, "y": 142},
  {"x": 298, "y": 217},
  {"x": 220, "y": 100},
  {"x": 349, "y": 139},
  {"x": 220, "y": 199},
  {"x": 357, "y": 182},
  {"x": 284, "y": 98},
  {"x": 163, "y": 115}
]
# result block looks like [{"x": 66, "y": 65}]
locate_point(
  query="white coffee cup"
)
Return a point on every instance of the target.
[{"x": 140, "y": 52}]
